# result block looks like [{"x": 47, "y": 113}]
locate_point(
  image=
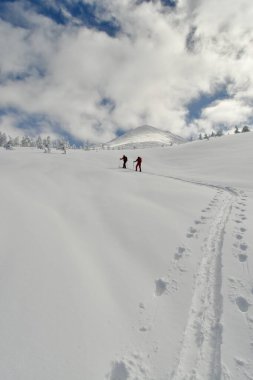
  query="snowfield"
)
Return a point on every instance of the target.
[{"x": 109, "y": 274}]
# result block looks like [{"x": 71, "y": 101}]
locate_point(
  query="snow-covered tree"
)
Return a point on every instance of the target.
[
  {"x": 39, "y": 143},
  {"x": 33, "y": 143},
  {"x": 62, "y": 144},
  {"x": 16, "y": 141},
  {"x": 3, "y": 139},
  {"x": 245, "y": 129},
  {"x": 47, "y": 144},
  {"x": 26, "y": 141},
  {"x": 9, "y": 144},
  {"x": 219, "y": 133}
]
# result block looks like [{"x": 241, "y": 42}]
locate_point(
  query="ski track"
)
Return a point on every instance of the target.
[
  {"x": 200, "y": 352},
  {"x": 200, "y": 356}
]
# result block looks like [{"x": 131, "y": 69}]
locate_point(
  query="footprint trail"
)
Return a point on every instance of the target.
[{"x": 200, "y": 356}]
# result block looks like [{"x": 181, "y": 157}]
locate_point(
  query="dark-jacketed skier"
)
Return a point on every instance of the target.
[
  {"x": 138, "y": 163},
  {"x": 124, "y": 159}
]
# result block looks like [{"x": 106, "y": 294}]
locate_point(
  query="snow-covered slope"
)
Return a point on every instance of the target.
[
  {"x": 109, "y": 274},
  {"x": 143, "y": 137}
]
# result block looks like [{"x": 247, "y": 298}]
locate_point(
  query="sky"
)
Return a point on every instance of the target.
[{"x": 92, "y": 69}]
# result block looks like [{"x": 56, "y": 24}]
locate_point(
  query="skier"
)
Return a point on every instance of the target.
[
  {"x": 138, "y": 165},
  {"x": 124, "y": 158}
]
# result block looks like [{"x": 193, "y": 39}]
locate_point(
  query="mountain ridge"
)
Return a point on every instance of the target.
[{"x": 145, "y": 136}]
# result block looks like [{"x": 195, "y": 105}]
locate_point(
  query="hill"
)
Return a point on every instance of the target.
[
  {"x": 111, "y": 274},
  {"x": 143, "y": 137}
]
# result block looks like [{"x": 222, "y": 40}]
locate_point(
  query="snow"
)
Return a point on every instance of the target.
[
  {"x": 143, "y": 137},
  {"x": 106, "y": 273}
]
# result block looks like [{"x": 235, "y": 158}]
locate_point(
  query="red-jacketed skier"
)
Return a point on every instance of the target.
[
  {"x": 124, "y": 158},
  {"x": 138, "y": 165}
]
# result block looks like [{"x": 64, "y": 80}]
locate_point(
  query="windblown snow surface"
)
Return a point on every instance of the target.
[{"x": 110, "y": 274}]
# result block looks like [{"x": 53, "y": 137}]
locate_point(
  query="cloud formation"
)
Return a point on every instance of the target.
[{"x": 129, "y": 63}]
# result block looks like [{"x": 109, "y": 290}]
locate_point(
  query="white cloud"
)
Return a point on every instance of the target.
[
  {"x": 227, "y": 113},
  {"x": 146, "y": 70},
  {"x": 7, "y": 123}
]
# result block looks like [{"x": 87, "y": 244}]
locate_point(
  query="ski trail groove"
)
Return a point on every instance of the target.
[{"x": 200, "y": 354}]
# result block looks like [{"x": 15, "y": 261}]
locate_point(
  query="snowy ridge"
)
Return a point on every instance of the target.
[{"x": 143, "y": 137}]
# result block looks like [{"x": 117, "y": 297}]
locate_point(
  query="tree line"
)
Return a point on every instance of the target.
[
  {"x": 38, "y": 142},
  {"x": 220, "y": 133}
]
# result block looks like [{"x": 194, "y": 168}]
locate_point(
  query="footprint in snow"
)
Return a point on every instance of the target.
[
  {"x": 119, "y": 371},
  {"x": 242, "y": 229},
  {"x": 179, "y": 254},
  {"x": 144, "y": 328},
  {"x": 191, "y": 233},
  {"x": 160, "y": 287},
  {"x": 130, "y": 367},
  {"x": 242, "y": 257},
  {"x": 239, "y": 362},
  {"x": 238, "y": 236},
  {"x": 242, "y": 304},
  {"x": 243, "y": 247}
]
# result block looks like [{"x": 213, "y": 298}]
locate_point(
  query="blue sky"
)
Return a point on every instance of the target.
[
  {"x": 197, "y": 105},
  {"x": 89, "y": 69},
  {"x": 85, "y": 12}
]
